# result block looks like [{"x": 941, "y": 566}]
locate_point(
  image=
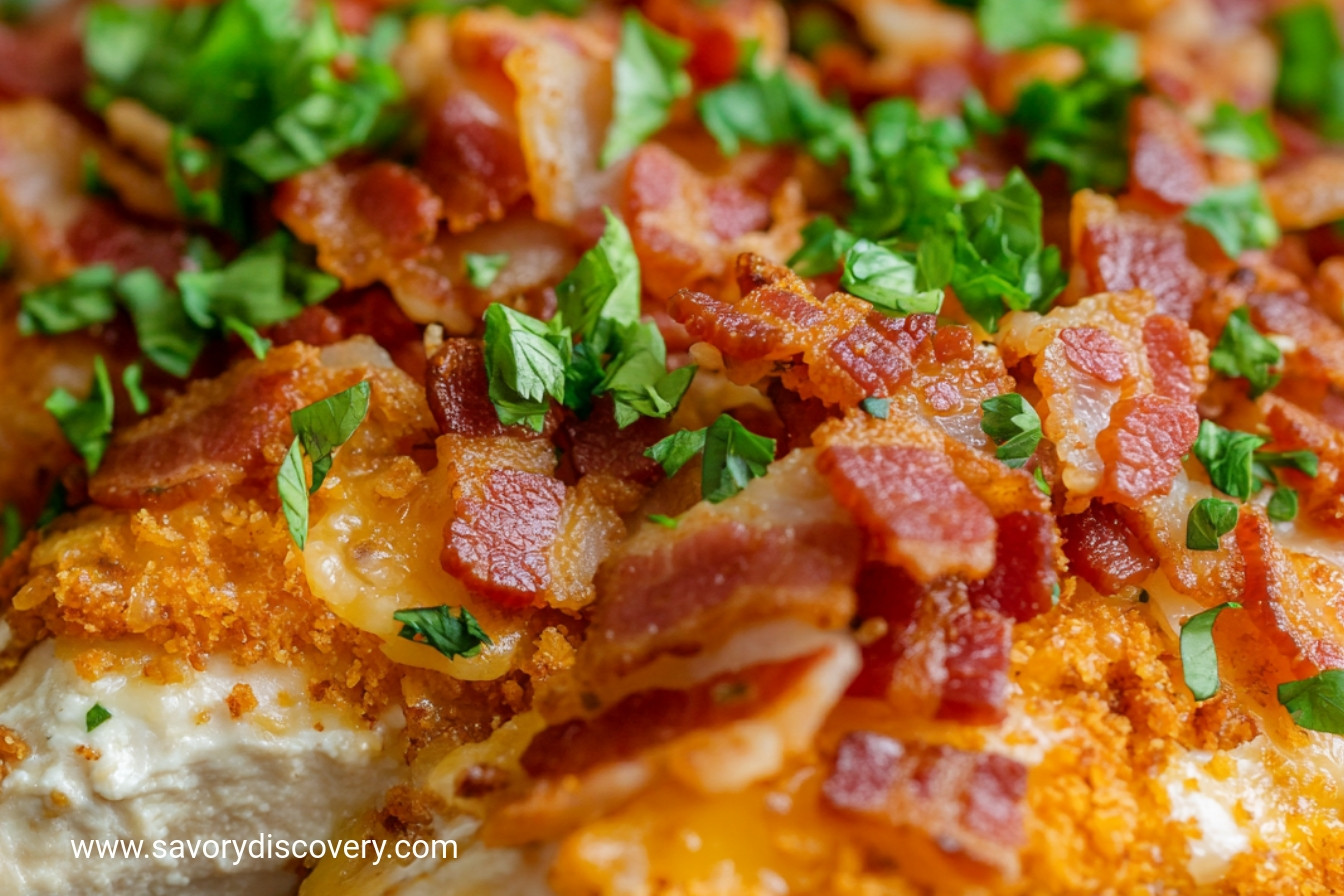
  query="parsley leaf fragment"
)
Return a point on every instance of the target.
[
  {"x": 1244, "y": 135},
  {"x": 87, "y": 423},
  {"x": 1317, "y": 702},
  {"x": 83, "y": 299},
  {"x": 1282, "y": 506},
  {"x": 450, "y": 635},
  {"x": 483, "y": 270},
  {"x": 876, "y": 407},
  {"x": 1015, "y": 24},
  {"x": 647, "y": 77},
  {"x": 1199, "y": 657},
  {"x": 96, "y": 716},
  {"x": 319, "y": 429},
  {"x": 1311, "y": 71},
  {"x": 1238, "y": 217},
  {"x": 731, "y": 456},
  {"x": 1015, "y": 427},
  {"x": 1243, "y": 352},
  {"x": 1228, "y": 457},
  {"x": 1209, "y": 520},
  {"x": 13, "y": 530}
]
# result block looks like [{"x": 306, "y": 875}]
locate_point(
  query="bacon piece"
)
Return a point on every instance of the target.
[
  {"x": 682, "y": 223},
  {"x": 1309, "y": 193},
  {"x": 102, "y": 234},
  {"x": 473, "y": 160},
  {"x": 734, "y": 724},
  {"x": 1166, "y": 161},
  {"x": 43, "y": 57},
  {"x": 976, "y": 688},
  {"x": 1295, "y": 429},
  {"x": 589, "y": 529},
  {"x": 738, "y": 335},
  {"x": 598, "y": 445},
  {"x": 1317, "y": 341},
  {"x": 1096, "y": 353},
  {"x": 398, "y": 205},
  {"x": 1143, "y": 446},
  {"x": 1103, "y": 549},
  {"x": 938, "y": 657},
  {"x": 916, "y": 513},
  {"x": 499, "y": 541},
  {"x": 1292, "y": 598},
  {"x": 716, "y": 33},
  {"x": 1023, "y": 581},
  {"x": 1118, "y": 250},
  {"x": 457, "y": 388},
  {"x": 781, "y": 548},
  {"x": 1173, "y": 354},
  {"x": 961, "y": 804},
  {"x": 219, "y": 434}
]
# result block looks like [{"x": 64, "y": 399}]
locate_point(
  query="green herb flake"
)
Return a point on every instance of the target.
[
  {"x": 1199, "y": 657},
  {"x": 1282, "y": 506},
  {"x": 12, "y": 530},
  {"x": 525, "y": 363},
  {"x": 1039, "y": 476},
  {"x": 483, "y": 270},
  {"x": 647, "y": 77},
  {"x": 130, "y": 379},
  {"x": 83, "y": 299},
  {"x": 889, "y": 280},
  {"x": 1209, "y": 520},
  {"x": 876, "y": 407},
  {"x": 1243, "y": 135},
  {"x": 87, "y": 423},
  {"x": 1238, "y": 217},
  {"x": 1014, "y": 425},
  {"x": 95, "y": 717},
  {"x": 1017, "y": 24},
  {"x": 663, "y": 520},
  {"x": 1311, "y": 65},
  {"x": 319, "y": 429},
  {"x": 731, "y": 456},
  {"x": 1228, "y": 456},
  {"x": 1243, "y": 352},
  {"x": 450, "y": 635}
]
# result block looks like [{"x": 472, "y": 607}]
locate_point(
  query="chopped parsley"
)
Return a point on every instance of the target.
[
  {"x": 1243, "y": 352},
  {"x": 530, "y": 363},
  {"x": 12, "y": 535},
  {"x": 1209, "y": 520},
  {"x": 450, "y": 635},
  {"x": 1015, "y": 427},
  {"x": 319, "y": 429},
  {"x": 1245, "y": 135},
  {"x": 1317, "y": 702},
  {"x": 1039, "y": 476},
  {"x": 1199, "y": 657},
  {"x": 1238, "y": 217},
  {"x": 130, "y": 380},
  {"x": 876, "y": 407},
  {"x": 890, "y": 281},
  {"x": 87, "y": 423},
  {"x": 95, "y": 717},
  {"x": 83, "y": 299},
  {"x": 663, "y": 520},
  {"x": 647, "y": 78},
  {"x": 1282, "y": 506},
  {"x": 1015, "y": 24},
  {"x": 285, "y": 94},
  {"x": 1228, "y": 457},
  {"x": 731, "y": 456},
  {"x": 1311, "y": 66},
  {"x": 483, "y": 270}
]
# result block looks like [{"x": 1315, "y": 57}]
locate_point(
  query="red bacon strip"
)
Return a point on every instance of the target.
[
  {"x": 500, "y": 538},
  {"x": 458, "y": 392},
  {"x": 1103, "y": 549},
  {"x": 969, "y": 805},
  {"x": 915, "y": 511},
  {"x": 1143, "y": 446},
  {"x": 1023, "y": 581},
  {"x": 1166, "y": 162}
]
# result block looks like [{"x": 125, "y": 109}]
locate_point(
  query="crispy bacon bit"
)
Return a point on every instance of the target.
[
  {"x": 917, "y": 514},
  {"x": 219, "y": 434},
  {"x": 1096, "y": 352},
  {"x": 1317, "y": 341},
  {"x": 1130, "y": 250},
  {"x": 976, "y": 688},
  {"x": 1023, "y": 579},
  {"x": 739, "y": 336},
  {"x": 1166, "y": 159},
  {"x": 966, "y": 804},
  {"x": 1143, "y": 446},
  {"x": 652, "y": 718},
  {"x": 715, "y": 33},
  {"x": 1295, "y": 429},
  {"x": 473, "y": 160},
  {"x": 398, "y": 205},
  {"x": 1308, "y": 194},
  {"x": 43, "y": 58},
  {"x": 1291, "y": 597},
  {"x": 103, "y": 234},
  {"x": 1173, "y": 355},
  {"x": 718, "y": 577},
  {"x": 1103, "y": 549},
  {"x": 457, "y": 388},
  {"x": 499, "y": 540},
  {"x": 598, "y": 445}
]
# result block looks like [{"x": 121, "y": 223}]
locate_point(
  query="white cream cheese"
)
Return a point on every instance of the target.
[{"x": 164, "y": 771}]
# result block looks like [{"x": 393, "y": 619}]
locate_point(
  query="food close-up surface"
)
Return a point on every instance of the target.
[{"x": 676, "y": 448}]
